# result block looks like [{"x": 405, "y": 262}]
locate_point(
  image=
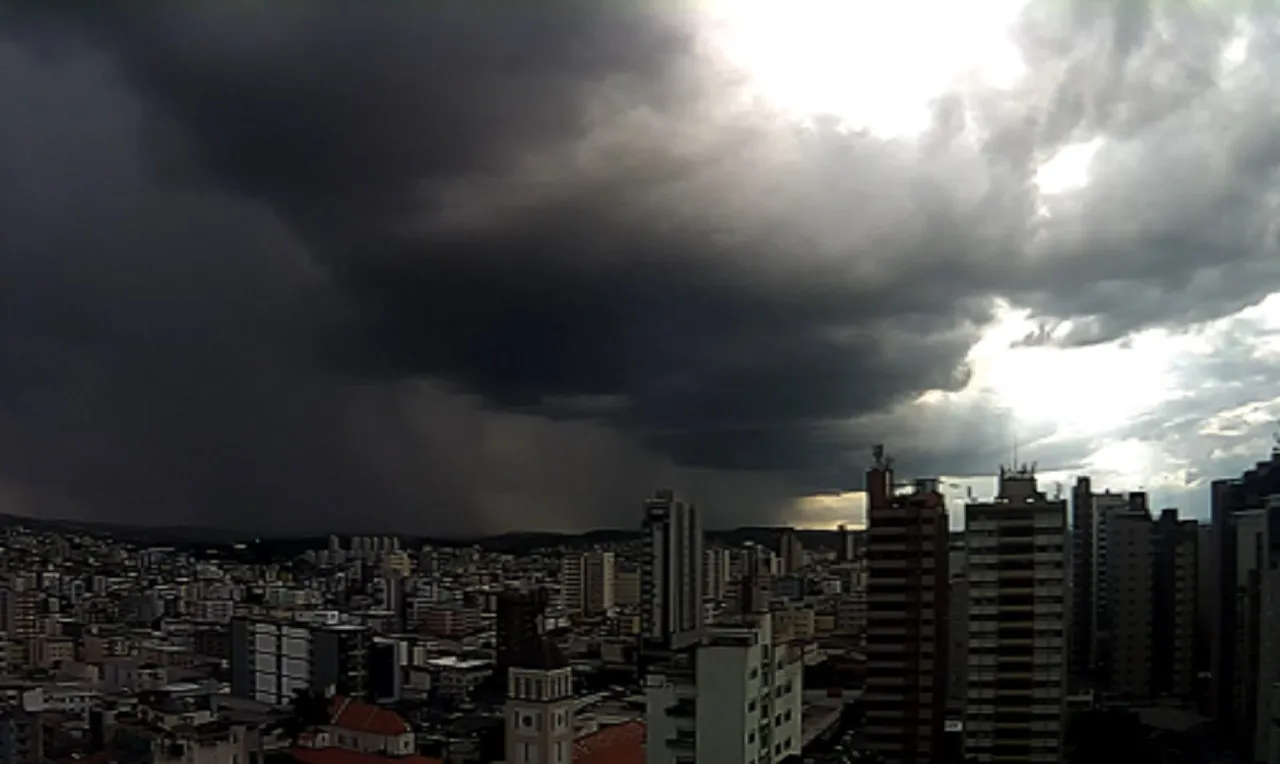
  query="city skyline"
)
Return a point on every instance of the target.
[{"x": 708, "y": 245}]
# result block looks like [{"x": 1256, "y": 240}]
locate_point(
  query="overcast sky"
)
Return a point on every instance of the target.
[{"x": 451, "y": 267}]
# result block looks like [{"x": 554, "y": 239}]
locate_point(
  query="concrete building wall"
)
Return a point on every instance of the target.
[
  {"x": 907, "y": 626},
  {"x": 597, "y": 583},
  {"x": 1130, "y": 596},
  {"x": 1017, "y": 624}
]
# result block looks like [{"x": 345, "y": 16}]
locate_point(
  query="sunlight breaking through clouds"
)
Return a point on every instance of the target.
[{"x": 872, "y": 65}]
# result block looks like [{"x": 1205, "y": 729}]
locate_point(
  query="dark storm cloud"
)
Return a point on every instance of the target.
[
  {"x": 356, "y": 126},
  {"x": 390, "y": 258},
  {"x": 166, "y": 346}
]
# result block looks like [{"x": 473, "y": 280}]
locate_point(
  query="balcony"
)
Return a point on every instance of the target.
[{"x": 683, "y": 742}]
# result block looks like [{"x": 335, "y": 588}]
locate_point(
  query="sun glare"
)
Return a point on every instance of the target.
[
  {"x": 1068, "y": 169},
  {"x": 1083, "y": 391},
  {"x": 873, "y": 65}
]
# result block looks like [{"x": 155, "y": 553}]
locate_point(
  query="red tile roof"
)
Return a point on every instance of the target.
[
  {"x": 340, "y": 756},
  {"x": 618, "y": 744},
  {"x": 358, "y": 716}
]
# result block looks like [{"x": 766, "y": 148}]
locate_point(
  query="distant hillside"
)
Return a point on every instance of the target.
[
  {"x": 517, "y": 542},
  {"x": 512, "y": 543},
  {"x": 144, "y": 534}
]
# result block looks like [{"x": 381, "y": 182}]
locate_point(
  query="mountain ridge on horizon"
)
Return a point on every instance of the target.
[{"x": 213, "y": 535}]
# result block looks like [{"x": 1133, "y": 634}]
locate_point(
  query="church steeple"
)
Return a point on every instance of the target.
[{"x": 539, "y": 715}]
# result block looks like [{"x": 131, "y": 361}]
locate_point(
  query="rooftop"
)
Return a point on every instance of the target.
[
  {"x": 358, "y": 716},
  {"x": 340, "y": 756},
  {"x": 453, "y": 661},
  {"x": 619, "y": 744}
]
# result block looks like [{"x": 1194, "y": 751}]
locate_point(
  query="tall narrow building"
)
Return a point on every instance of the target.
[
  {"x": 1017, "y": 548},
  {"x": 671, "y": 583},
  {"x": 521, "y": 616},
  {"x": 907, "y": 603},
  {"x": 597, "y": 583},
  {"x": 1082, "y": 594},
  {"x": 1106, "y": 507},
  {"x": 1228, "y": 611},
  {"x": 844, "y": 544},
  {"x": 1130, "y": 596},
  {"x": 715, "y": 573},
  {"x": 587, "y": 581},
  {"x": 791, "y": 551},
  {"x": 1266, "y": 685},
  {"x": 1174, "y": 613}
]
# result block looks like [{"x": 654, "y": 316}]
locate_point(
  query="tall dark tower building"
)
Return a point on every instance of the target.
[
  {"x": 1240, "y": 514},
  {"x": 1229, "y": 499},
  {"x": 907, "y": 624},
  {"x": 844, "y": 544},
  {"x": 520, "y": 619},
  {"x": 1082, "y": 578},
  {"x": 671, "y": 581},
  {"x": 1176, "y": 603}
]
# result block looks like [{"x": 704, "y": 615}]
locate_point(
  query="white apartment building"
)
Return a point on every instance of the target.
[
  {"x": 737, "y": 702},
  {"x": 597, "y": 583},
  {"x": 271, "y": 660},
  {"x": 716, "y": 573},
  {"x": 672, "y": 609},
  {"x": 1016, "y": 681},
  {"x": 587, "y": 582}
]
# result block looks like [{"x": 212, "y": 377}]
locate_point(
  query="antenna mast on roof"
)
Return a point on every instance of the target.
[{"x": 881, "y": 460}]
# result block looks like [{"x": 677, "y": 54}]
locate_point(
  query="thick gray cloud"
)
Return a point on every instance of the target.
[{"x": 460, "y": 269}]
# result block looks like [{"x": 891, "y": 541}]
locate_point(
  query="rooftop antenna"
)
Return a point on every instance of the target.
[{"x": 1275, "y": 438}]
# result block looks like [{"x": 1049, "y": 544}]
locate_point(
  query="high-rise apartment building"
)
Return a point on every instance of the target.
[
  {"x": 572, "y": 586},
  {"x": 597, "y": 583},
  {"x": 1234, "y": 504},
  {"x": 520, "y": 619},
  {"x": 844, "y": 544},
  {"x": 626, "y": 587},
  {"x": 1129, "y": 593},
  {"x": 1017, "y": 552},
  {"x": 715, "y": 573},
  {"x": 958, "y": 640},
  {"x": 671, "y": 584},
  {"x": 587, "y": 582},
  {"x": 1251, "y": 528},
  {"x": 1174, "y": 612},
  {"x": 1265, "y": 581},
  {"x": 1106, "y": 506},
  {"x": 737, "y": 700},
  {"x": 271, "y": 660},
  {"x": 907, "y": 626},
  {"x": 791, "y": 551},
  {"x": 1082, "y": 593}
]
